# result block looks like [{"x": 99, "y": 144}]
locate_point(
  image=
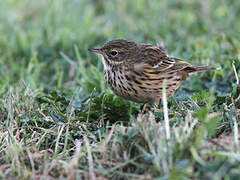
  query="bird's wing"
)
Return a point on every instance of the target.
[{"x": 154, "y": 60}]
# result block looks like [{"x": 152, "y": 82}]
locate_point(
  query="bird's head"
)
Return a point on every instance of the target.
[{"x": 115, "y": 52}]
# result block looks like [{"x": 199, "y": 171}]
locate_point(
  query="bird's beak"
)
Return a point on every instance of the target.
[{"x": 96, "y": 50}]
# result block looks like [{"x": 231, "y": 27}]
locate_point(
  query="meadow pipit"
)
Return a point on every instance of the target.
[{"x": 136, "y": 71}]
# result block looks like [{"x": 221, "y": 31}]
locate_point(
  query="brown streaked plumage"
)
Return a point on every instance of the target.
[{"x": 136, "y": 71}]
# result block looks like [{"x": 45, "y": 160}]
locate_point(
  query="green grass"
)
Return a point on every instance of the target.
[{"x": 58, "y": 119}]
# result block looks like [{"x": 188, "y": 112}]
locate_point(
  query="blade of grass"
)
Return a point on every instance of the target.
[
  {"x": 90, "y": 159},
  {"x": 165, "y": 110},
  {"x": 235, "y": 72},
  {"x": 90, "y": 105},
  {"x": 57, "y": 141}
]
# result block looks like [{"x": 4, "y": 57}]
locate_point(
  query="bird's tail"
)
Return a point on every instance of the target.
[{"x": 193, "y": 69}]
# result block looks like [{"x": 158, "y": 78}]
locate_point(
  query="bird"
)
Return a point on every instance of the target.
[{"x": 136, "y": 71}]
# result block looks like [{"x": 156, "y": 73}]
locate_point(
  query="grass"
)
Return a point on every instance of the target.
[{"x": 60, "y": 121}]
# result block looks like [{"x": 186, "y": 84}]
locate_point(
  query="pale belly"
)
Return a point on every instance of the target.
[
  {"x": 137, "y": 90},
  {"x": 129, "y": 90}
]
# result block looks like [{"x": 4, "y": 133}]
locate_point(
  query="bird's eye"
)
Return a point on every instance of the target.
[{"x": 113, "y": 52}]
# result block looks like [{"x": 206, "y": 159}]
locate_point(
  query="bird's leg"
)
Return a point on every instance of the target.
[
  {"x": 149, "y": 115},
  {"x": 144, "y": 109}
]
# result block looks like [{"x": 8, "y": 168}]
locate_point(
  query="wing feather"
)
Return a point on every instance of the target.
[{"x": 154, "y": 60}]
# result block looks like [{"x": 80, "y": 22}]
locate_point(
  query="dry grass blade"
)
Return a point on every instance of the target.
[{"x": 92, "y": 175}]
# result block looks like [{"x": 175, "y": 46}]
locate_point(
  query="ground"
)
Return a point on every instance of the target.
[{"x": 60, "y": 121}]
